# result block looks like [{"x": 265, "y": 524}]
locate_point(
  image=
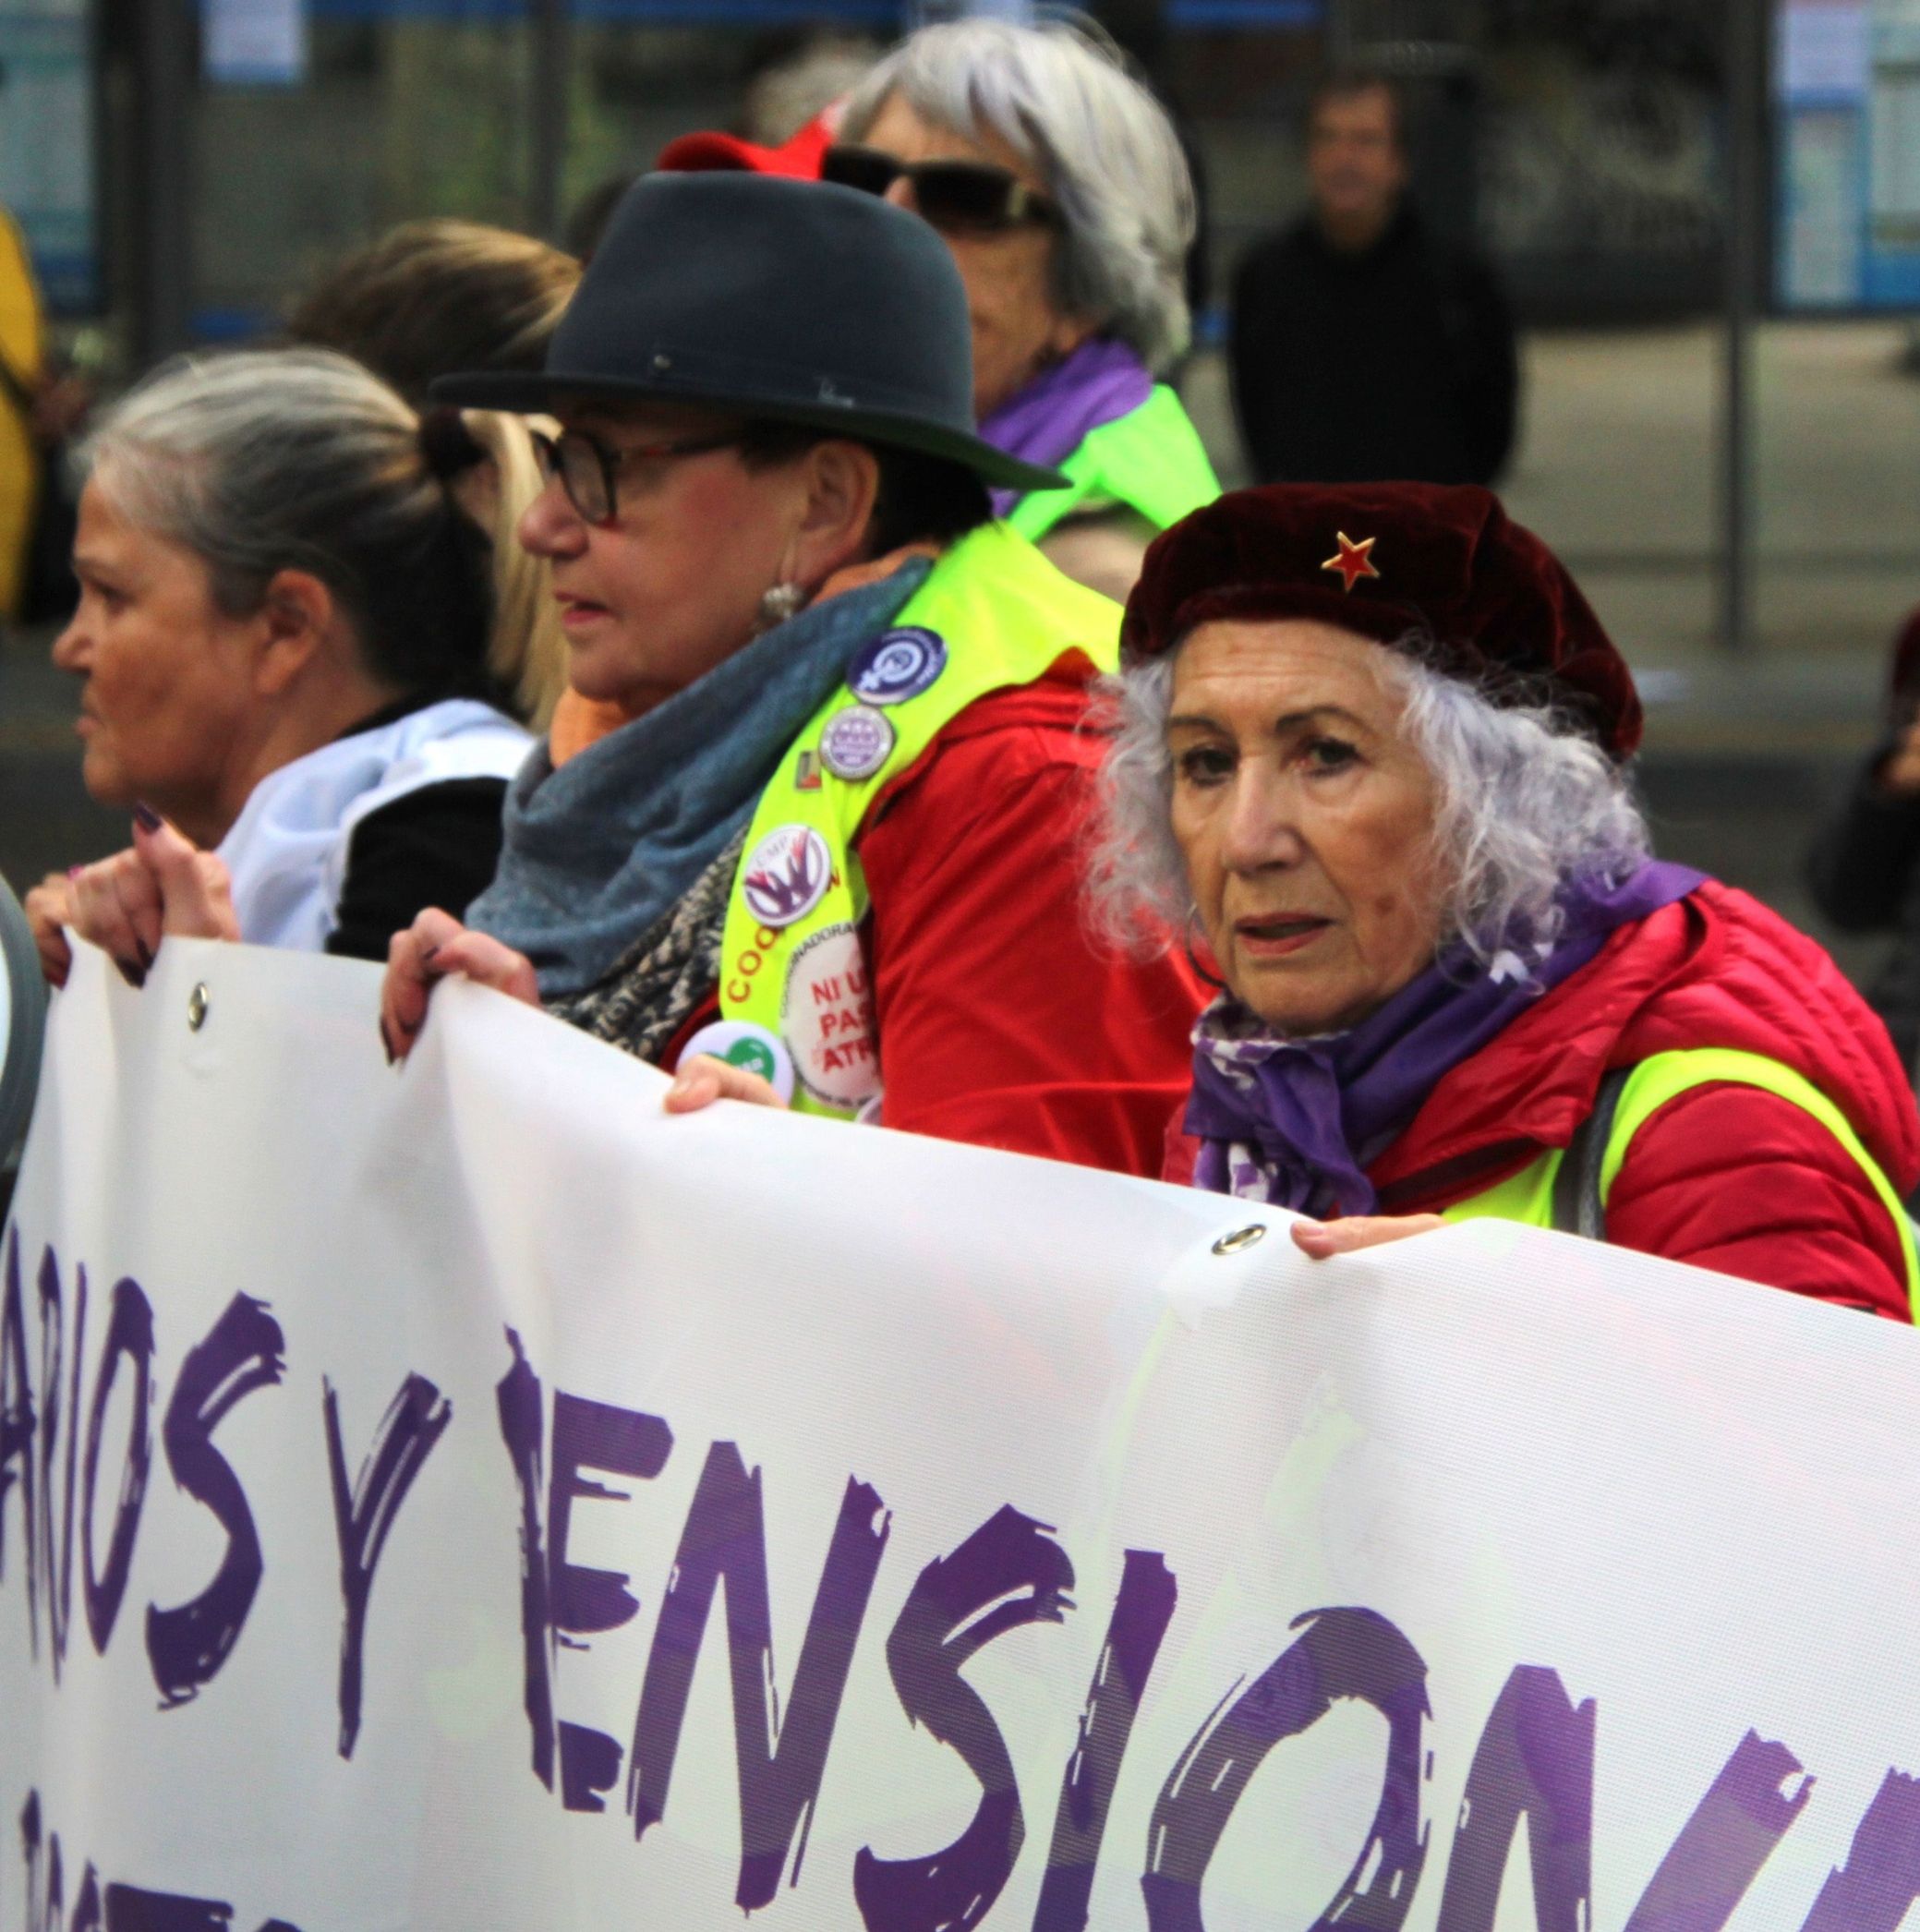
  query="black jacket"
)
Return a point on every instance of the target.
[
  {"x": 1865, "y": 871},
  {"x": 1395, "y": 365}
]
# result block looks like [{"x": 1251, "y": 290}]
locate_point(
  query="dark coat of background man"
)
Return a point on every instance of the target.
[{"x": 1364, "y": 349}]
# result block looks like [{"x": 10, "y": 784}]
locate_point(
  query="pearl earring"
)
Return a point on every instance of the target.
[{"x": 779, "y": 603}]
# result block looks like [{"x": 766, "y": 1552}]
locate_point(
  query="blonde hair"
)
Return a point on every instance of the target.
[
  {"x": 438, "y": 297},
  {"x": 527, "y": 652}
]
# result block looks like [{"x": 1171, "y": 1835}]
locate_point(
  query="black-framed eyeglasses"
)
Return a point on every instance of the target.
[
  {"x": 957, "y": 196},
  {"x": 587, "y": 466}
]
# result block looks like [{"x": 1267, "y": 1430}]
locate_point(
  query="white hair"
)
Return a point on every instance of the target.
[
  {"x": 1058, "y": 94},
  {"x": 1526, "y": 804}
]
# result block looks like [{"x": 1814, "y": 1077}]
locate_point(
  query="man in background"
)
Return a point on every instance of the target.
[{"x": 1363, "y": 349}]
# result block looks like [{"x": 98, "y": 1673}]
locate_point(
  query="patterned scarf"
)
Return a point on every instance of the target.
[{"x": 1295, "y": 1123}]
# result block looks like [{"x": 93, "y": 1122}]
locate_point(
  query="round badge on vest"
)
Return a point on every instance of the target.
[
  {"x": 827, "y": 1019},
  {"x": 857, "y": 743},
  {"x": 786, "y": 876},
  {"x": 898, "y": 665},
  {"x": 742, "y": 1044}
]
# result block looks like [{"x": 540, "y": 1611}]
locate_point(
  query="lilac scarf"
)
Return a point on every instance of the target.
[
  {"x": 1048, "y": 420},
  {"x": 1295, "y": 1123}
]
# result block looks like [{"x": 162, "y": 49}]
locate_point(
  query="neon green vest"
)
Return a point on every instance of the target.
[
  {"x": 1152, "y": 460},
  {"x": 794, "y": 999},
  {"x": 1527, "y": 1196}
]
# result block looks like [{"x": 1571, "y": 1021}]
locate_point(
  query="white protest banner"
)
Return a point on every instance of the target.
[{"x": 462, "y": 1496}]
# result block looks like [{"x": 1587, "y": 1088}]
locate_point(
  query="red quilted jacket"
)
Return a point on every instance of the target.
[{"x": 1725, "y": 1177}]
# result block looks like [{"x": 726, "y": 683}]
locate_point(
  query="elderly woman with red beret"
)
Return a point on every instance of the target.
[{"x": 1372, "y": 753}]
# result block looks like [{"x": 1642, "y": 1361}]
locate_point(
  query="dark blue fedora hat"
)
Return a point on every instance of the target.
[{"x": 790, "y": 301}]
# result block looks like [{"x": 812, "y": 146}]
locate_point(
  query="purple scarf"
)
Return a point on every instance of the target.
[
  {"x": 1295, "y": 1123},
  {"x": 1048, "y": 420}
]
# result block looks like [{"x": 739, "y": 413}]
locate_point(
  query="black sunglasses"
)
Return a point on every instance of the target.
[
  {"x": 958, "y": 197},
  {"x": 587, "y": 466}
]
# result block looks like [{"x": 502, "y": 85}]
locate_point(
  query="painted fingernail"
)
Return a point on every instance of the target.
[
  {"x": 146, "y": 817},
  {"x": 431, "y": 954},
  {"x": 73, "y": 871},
  {"x": 135, "y": 976},
  {"x": 139, "y": 946},
  {"x": 386, "y": 1040}
]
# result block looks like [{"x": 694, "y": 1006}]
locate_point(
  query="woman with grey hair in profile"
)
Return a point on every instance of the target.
[
  {"x": 1058, "y": 183},
  {"x": 291, "y": 671}
]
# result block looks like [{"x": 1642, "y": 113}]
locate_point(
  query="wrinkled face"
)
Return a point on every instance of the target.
[
  {"x": 1305, "y": 819},
  {"x": 169, "y": 677},
  {"x": 1353, "y": 158},
  {"x": 671, "y": 585},
  {"x": 1017, "y": 331}
]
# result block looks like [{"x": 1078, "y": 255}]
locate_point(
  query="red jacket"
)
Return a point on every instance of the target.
[
  {"x": 1002, "y": 1021},
  {"x": 1725, "y": 1177}
]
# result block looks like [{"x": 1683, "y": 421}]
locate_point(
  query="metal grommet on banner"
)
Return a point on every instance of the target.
[
  {"x": 198, "y": 1003},
  {"x": 1242, "y": 1239}
]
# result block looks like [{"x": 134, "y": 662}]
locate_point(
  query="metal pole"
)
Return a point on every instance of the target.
[
  {"x": 1340, "y": 32},
  {"x": 1746, "y": 108},
  {"x": 552, "y": 62},
  {"x": 165, "y": 82}
]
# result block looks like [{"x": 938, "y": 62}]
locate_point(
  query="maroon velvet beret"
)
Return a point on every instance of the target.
[{"x": 1390, "y": 560}]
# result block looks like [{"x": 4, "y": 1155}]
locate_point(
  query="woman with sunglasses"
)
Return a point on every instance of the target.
[
  {"x": 1058, "y": 183},
  {"x": 813, "y": 801}
]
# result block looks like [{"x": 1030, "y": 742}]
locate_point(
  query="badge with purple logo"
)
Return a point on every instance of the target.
[
  {"x": 786, "y": 876},
  {"x": 856, "y": 742},
  {"x": 898, "y": 665}
]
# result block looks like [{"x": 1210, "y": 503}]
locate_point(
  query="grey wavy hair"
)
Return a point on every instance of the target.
[
  {"x": 1058, "y": 94},
  {"x": 1525, "y": 803}
]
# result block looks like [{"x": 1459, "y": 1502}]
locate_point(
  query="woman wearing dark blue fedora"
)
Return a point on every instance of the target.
[{"x": 813, "y": 801}]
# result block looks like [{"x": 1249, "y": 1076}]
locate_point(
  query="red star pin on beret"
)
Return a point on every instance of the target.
[{"x": 1354, "y": 562}]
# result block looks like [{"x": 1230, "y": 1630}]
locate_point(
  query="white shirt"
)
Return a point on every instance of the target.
[{"x": 288, "y": 850}]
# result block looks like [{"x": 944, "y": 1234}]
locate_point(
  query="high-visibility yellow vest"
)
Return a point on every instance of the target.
[
  {"x": 1150, "y": 460},
  {"x": 1541, "y": 1195},
  {"x": 795, "y": 1000}
]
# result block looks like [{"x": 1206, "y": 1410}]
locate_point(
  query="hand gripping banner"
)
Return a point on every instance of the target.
[{"x": 462, "y": 1496}]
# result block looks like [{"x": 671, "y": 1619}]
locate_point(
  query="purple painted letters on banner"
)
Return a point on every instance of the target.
[
  {"x": 1142, "y": 1609},
  {"x": 243, "y": 1351},
  {"x": 1012, "y": 1563},
  {"x": 1340, "y": 1653},
  {"x": 414, "y": 1421},
  {"x": 779, "y": 1778},
  {"x": 129, "y": 1335},
  {"x": 1535, "y": 1760}
]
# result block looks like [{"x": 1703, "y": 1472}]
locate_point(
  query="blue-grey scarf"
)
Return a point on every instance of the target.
[{"x": 598, "y": 850}]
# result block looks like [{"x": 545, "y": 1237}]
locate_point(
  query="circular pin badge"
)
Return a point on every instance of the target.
[
  {"x": 898, "y": 665},
  {"x": 856, "y": 742},
  {"x": 742, "y": 1044},
  {"x": 827, "y": 1019},
  {"x": 786, "y": 876}
]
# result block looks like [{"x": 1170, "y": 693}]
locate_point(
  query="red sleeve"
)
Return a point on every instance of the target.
[
  {"x": 1794, "y": 1209},
  {"x": 1002, "y": 1020}
]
